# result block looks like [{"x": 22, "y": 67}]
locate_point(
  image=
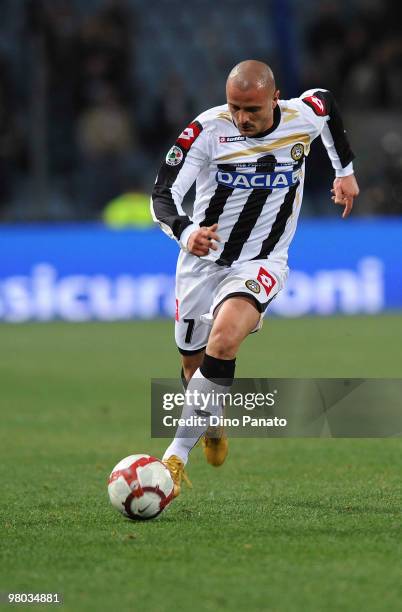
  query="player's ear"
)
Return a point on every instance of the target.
[{"x": 275, "y": 98}]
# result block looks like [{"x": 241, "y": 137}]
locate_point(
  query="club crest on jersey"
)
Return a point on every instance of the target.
[
  {"x": 297, "y": 151},
  {"x": 266, "y": 279},
  {"x": 253, "y": 286},
  {"x": 174, "y": 156},
  {"x": 257, "y": 180},
  {"x": 231, "y": 138}
]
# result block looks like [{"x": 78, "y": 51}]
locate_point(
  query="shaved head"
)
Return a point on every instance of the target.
[
  {"x": 252, "y": 97},
  {"x": 251, "y": 74}
]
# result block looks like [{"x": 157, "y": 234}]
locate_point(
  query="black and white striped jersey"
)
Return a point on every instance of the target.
[{"x": 251, "y": 187}]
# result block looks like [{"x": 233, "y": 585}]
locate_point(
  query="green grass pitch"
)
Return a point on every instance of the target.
[{"x": 285, "y": 525}]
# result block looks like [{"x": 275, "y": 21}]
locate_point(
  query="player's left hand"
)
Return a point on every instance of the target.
[{"x": 344, "y": 191}]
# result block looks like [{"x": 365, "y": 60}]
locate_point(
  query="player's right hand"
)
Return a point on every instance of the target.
[{"x": 201, "y": 240}]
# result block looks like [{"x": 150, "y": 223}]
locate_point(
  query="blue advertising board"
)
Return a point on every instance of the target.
[{"x": 88, "y": 272}]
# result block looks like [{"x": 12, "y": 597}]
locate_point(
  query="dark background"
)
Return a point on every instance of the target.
[{"x": 93, "y": 93}]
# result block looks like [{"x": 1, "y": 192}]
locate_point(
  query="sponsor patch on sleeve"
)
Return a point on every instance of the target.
[
  {"x": 317, "y": 104},
  {"x": 174, "y": 156},
  {"x": 189, "y": 135}
]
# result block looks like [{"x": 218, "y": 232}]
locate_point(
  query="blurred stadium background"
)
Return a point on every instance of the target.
[{"x": 93, "y": 94}]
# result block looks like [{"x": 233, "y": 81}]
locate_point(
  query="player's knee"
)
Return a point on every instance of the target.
[{"x": 223, "y": 342}]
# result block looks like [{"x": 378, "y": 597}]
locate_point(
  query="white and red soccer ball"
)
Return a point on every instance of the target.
[{"x": 140, "y": 487}]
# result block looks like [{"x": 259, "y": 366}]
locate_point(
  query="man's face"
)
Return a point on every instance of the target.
[{"x": 252, "y": 110}]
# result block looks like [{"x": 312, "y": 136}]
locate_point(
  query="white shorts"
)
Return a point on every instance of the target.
[{"x": 201, "y": 286}]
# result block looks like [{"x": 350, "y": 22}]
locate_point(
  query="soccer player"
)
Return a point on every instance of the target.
[{"x": 247, "y": 158}]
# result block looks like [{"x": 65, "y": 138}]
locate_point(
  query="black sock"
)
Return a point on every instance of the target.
[{"x": 221, "y": 369}]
